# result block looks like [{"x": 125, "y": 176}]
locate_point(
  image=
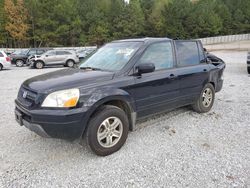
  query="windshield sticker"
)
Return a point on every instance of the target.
[{"x": 126, "y": 51}]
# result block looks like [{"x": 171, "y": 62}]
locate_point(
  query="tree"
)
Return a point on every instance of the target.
[
  {"x": 175, "y": 15},
  {"x": 129, "y": 22},
  {"x": 16, "y": 24},
  {"x": 203, "y": 21}
]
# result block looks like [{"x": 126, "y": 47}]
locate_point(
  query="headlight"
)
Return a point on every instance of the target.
[{"x": 64, "y": 98}]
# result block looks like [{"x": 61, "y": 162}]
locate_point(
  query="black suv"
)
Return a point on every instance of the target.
[
  {"x": 122, "y": 82},
  {"x": 20, "y": 57}
]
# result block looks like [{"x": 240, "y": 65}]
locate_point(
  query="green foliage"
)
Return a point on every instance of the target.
[{"x": 94, "y": 22}]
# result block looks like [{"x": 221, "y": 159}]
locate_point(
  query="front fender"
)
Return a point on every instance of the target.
[{"x": 104, "y": 95}]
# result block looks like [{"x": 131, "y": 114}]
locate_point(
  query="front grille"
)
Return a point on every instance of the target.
[{"x": 27, "y": 97}]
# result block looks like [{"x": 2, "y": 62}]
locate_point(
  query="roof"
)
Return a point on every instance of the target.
[{"x": 147, "y": 39}]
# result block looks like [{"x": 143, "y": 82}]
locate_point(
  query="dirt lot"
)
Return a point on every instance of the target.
[{"x": 180, "y": 148}]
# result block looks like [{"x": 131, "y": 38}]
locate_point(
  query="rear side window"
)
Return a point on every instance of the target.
[
  {"x": 160, "y": 54},
  {"x": 187, "y": 53}
]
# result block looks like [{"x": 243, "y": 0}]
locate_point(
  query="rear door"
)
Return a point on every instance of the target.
[
  {"x": 62, "y": 56},
  {"x": 193, "y": 70},
  {"x": 157, "y": 91}
]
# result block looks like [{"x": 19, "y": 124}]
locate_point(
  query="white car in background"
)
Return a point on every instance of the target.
[{"x": 4, "y": 60}]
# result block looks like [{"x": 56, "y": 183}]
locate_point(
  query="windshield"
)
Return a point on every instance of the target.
[
  {"x": 112, "y": 57},
  {"x": 20, "y": 52}
]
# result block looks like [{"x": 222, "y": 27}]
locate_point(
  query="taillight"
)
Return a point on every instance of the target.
[{"x": 7, "y": 58}]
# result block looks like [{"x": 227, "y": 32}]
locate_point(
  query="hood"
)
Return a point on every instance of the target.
[{"x": 66, "y": 79}]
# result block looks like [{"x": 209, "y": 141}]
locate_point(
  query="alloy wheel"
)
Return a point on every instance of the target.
[
  {"x": 19, "y": 63},
  {"x": 207, "y": 97},
  {"x": 110, "y": 132}
]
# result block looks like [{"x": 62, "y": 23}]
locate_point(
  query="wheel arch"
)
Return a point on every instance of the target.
[
  {"x": 119, "y": 101},
  {"x": 70, "y": 60}
]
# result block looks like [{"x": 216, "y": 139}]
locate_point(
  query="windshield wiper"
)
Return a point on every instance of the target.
[{"x": 91, "y": 68}]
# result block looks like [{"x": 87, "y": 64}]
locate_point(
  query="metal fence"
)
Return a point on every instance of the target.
[
  {"x": 205, "y": 41},
  {"x": 225, "y": 39},
  {"x": 58, "y": 48}
]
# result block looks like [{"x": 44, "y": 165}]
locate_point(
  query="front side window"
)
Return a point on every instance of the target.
[
  {"x": 187, "y": 53},
  {"x": 39, "y": 52},
  {"x": 60, "y": 53},
  {"x": 160, "y": 54},
  {"x": 50, "y": 53},
  {"x": 113, "y": 56},
  {"x": 32, "y": 52}
]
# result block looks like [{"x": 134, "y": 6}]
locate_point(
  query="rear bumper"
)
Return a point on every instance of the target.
[
  {"x": 63, "y": 124},
  {"x": 6, "y": 64}
]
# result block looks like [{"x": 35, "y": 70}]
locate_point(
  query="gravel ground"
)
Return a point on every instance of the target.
[{"x": 176, "y": 149}]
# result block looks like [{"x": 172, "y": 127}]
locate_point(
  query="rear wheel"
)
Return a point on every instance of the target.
[
  {"x": 248, "y": 70},
  {"x": 19, "y": 63},
  {"x": 107, "y": 130},
  {"x": 70, "y": 63},
  {"x": 206, "y": 99},
  {"x": 39, "y": 64},
  {"x": 1, "y": 67}
]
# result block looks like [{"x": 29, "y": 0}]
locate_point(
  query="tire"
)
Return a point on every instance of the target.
[
  {"x": 19, "y": 63},
  {"x": 103, "y": 139},
  {"x": 206, "y": 99},
  {"x": 39, "y": 65},
  {"x": 1, "y": 67},
  {"x": 70, "y": 63},
  {"x": 248, "y": 70}
]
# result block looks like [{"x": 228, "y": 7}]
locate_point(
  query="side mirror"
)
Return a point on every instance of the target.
[{"x": 145, "y": 68}]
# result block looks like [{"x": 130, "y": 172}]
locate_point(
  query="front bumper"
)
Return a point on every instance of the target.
[{"x": 65, "y": 124}]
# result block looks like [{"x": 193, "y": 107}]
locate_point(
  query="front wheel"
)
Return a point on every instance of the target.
[
  {"x": 248, "y": 70},
  {"x": 107, "y": 130},
  {"x": 1, "y": 67},
  {"x": 39, "y": 64},
  {"x": 206, "y": 99}
]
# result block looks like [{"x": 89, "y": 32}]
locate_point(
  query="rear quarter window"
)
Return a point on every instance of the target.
[{"x": 187, "y": 53}]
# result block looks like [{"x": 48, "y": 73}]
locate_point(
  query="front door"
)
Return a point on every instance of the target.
[
  {"x": 157, "y": 91},
  {"x": 50, "y": 57}
]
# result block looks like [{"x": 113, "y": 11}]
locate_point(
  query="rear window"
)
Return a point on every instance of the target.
[{"x": 187, "y": 53}]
